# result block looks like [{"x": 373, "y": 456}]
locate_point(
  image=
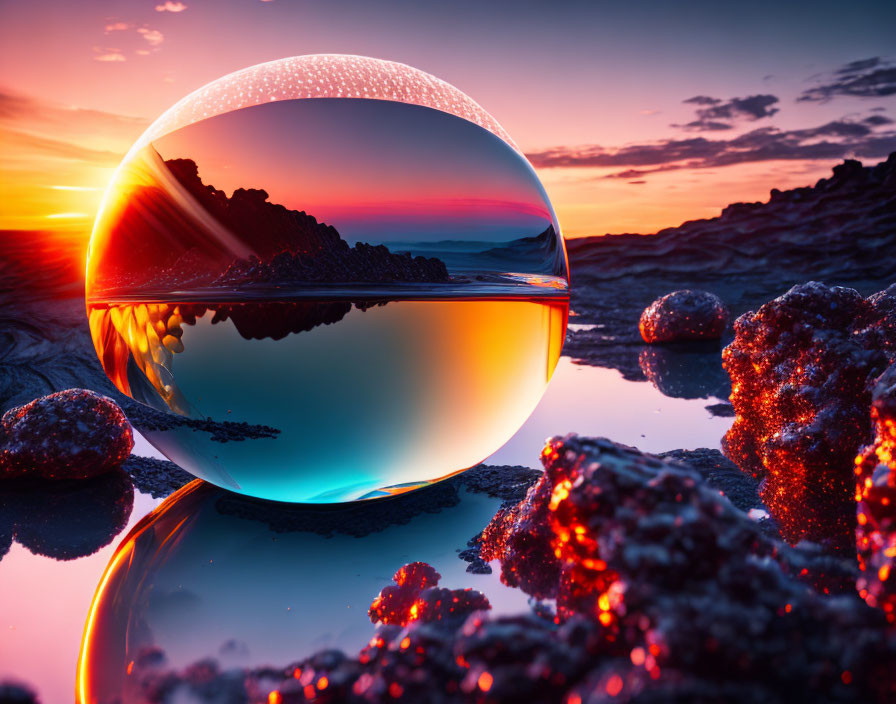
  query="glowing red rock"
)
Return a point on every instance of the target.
[
  {"x": 876, "y": 496},
  {"x": 415, "y": 597},
  {"x": 684, "y": 315},
  {"x": 72, "y": 434},
  {"x": 801, "y": 368}
]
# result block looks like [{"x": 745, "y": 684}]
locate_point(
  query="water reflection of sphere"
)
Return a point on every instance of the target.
[
  {"x": 211, "y": 574},
  {"x": 328, "y": 262}
]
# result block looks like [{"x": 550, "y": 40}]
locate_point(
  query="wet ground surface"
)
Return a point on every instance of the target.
[
  {"x": 588, "y": 399},
  {"x": 608, "y": 383}
]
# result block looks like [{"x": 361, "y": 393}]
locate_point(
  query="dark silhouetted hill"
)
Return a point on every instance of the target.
[{"x": 168, "y": 238}]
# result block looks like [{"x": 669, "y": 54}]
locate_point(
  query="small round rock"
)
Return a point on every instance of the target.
[
  {"x": 684, "y": 315},
  {"x": 72, "y": 434}
]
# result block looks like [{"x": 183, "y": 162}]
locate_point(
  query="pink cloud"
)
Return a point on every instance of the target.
[
  {"x": 117, "y": 27},
  {"x": 108, "y": 55},
  {"x": 169, "y": 6},
  {"x": 111, "y": 57},
  {"x": 153, "y": 36}
]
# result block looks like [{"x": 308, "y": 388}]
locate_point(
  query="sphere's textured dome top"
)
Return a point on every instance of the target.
[{"x": 321, "y": 76}]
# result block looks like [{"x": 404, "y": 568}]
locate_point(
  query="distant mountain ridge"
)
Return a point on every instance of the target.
[
  {"x": 538, "y": 254},
  {"x": 842, "y": 227}
]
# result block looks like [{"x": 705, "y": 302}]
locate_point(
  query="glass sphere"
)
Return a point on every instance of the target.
[
  {"x": 240, "y": 584},
  {"x": 329, "y": 278}
]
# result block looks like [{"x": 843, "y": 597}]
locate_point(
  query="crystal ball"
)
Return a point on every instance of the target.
[{"x": 327, "y": 278}]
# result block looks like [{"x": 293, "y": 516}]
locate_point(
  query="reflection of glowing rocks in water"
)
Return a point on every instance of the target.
[
  {"x": 208, "y": 567},
  {"x": 239, "y": 264},
  {"x": 65, "y": 520},
  {"x": 689, "y": 370},
  {"x": 416, "y": 596}
]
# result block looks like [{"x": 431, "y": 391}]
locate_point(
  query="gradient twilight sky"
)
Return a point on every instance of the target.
[{"x": 594, "y": 92}]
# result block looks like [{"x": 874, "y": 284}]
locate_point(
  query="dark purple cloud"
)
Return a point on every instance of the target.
[
  {"x": 713, "y": 111},
  {"x": 831, "y": 141},
  {"x": 868, "y": 78},
  {"x": 705, "y": 126},
  {"x": 702, "y": 100},
  {"x": 752, "y": 107}
]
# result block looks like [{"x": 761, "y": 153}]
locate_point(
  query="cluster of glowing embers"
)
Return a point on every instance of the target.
[
  {"x": 803, "y": 370},
  {"x": 876, "y": 496},
  {"x": 415, "y": 596}
]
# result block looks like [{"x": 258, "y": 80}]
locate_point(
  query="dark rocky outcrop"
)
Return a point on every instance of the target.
[
  {"x": 361, "y": 263},
  {"x": 841, "y": 231},
  {"x": 165, "y": 242}
]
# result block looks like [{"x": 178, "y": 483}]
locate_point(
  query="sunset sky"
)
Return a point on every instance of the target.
[
  {"x": 636, "y": 115},
  {"x": 378, "y": 171}
]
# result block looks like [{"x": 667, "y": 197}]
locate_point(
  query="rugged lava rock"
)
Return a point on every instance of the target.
[
  {"x": 801, "y": 369},
  {"x": 684, "y": 315},
  {"x": 415, "y": 596},
  {"x": 876, "y": 494},
  {"x": 72, "y": 434}
]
